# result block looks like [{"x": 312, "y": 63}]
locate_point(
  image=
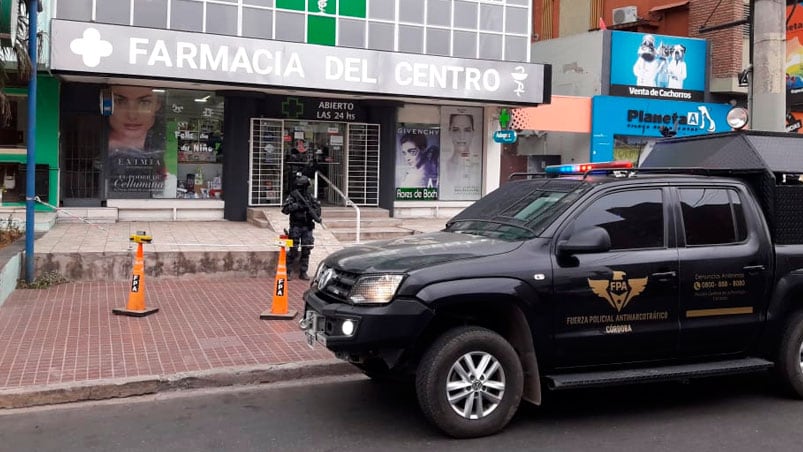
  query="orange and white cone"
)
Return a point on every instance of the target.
[
  {"x": 279, "y": 306},
  {"x": 136, "y": 295}
]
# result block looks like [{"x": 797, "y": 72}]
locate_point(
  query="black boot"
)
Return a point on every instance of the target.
[{"x": 304, "y": 276}]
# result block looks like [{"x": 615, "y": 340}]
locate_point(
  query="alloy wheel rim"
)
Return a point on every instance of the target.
[{"x": 475, "y": 385}]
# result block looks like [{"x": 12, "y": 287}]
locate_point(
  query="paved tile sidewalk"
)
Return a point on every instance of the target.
[
  {"x": 65, "y": 338},
  {"x": 68, "y": 333}
]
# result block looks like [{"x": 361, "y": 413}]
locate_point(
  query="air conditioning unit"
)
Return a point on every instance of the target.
[{"x": 625, "y": 15}]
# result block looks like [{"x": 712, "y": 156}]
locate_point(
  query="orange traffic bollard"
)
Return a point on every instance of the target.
[
  {"x": 136, "y": 296},
  {"x": 279, "y": 308}
]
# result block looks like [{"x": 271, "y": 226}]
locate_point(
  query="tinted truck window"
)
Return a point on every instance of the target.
[
  {"x": 710, "y": 218},
  {"x": 633, "y": 219}
]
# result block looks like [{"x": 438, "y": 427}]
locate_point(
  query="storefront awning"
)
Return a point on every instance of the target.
[
  {"x": 669, "y": 6},
  {"x": 563, "y": 114},
  {"x": 114, "y": 50}
]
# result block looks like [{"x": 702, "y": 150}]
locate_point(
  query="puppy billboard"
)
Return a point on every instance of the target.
[{"x": 658, "y": 66}]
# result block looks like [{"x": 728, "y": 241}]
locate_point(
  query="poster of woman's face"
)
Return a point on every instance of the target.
[
  {"x": 417, "y": 161},
  {"x": 461, "y": 156},
  {"x": 136, "y": 144}
]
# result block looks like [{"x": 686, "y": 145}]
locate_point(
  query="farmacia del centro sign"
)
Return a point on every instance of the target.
[{"x": 113, "y": 49}]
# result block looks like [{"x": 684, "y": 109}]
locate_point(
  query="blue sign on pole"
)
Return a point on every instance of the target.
[{"x": 505, "y": 136}]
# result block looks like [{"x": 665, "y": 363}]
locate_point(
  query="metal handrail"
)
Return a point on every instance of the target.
[{"x": 348, "y": 202}]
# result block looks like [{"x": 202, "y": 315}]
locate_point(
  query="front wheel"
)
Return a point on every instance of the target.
[
  {"x": 469, "y": 383},
  {"x": 789, "y": 365}
]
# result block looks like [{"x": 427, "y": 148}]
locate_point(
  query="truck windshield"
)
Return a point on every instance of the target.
[{"x": 517, "y": 210}]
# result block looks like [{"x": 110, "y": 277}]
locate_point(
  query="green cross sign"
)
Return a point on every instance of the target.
[
  {"x": 292, "y": 108},
  {"x": 504, "y": 119},
  {"x": 321, "y": 21}
]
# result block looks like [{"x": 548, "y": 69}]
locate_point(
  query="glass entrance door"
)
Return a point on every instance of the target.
[{"x": 346, "y": 154}]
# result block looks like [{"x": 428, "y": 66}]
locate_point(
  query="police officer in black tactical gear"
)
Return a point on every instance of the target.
[{"x": 304, "y": 210}]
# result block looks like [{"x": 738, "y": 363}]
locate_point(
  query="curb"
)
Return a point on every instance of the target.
[{"x": 137, "y": 386}]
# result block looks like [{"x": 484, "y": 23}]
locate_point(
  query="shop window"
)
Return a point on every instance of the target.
[
  {"x": 163, "y": 144},
  {"x": 12, "y": 133}
]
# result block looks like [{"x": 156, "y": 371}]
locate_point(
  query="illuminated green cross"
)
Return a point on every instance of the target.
[
  {"x": 504, "y": 119},
  {"x": 321, "y": 24},
  {"x": 292, "y": 108}
]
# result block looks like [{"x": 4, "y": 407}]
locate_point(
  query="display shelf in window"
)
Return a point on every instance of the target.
[{"x": 198, "y": 141}]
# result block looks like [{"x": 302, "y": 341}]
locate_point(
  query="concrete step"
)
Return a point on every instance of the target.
[
  {"x": 87, "y": 214},
  {"x": 349, "y": 212},
  {"x": 370, "y": 222},
  {"x": 349, "y": 235},
  {"x": 12, "y": 216},
  {"x": 257, "y": 217}
]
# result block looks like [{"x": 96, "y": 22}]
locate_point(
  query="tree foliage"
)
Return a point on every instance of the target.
[{"x": 14, "y": 58}]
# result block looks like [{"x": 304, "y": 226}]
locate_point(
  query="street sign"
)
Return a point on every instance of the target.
[{"x": 505, "y": 136}]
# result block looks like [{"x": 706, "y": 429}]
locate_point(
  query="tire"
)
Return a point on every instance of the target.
[
  {"x": 789, "y": 365},
  {"x": 439, "y": 368}
]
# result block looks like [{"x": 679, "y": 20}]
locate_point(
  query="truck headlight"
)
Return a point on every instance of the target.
[{"x": 377, "y": 289}]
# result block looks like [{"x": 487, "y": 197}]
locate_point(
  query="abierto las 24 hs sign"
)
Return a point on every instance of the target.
[{"x": 119, "y": 50}]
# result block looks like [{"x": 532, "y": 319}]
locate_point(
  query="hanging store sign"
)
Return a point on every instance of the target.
[{"x": 133, "y": 51}]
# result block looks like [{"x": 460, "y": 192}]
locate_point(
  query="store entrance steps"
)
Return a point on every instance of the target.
[{"x": 341, "y": 223}]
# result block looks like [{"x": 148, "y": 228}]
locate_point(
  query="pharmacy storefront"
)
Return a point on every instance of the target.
[{"x": 154, "y": 118}]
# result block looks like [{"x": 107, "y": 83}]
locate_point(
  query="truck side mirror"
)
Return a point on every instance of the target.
[{"x": 591, "y": 240}]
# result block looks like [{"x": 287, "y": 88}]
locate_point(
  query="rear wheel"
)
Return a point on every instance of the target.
[
  {"x": 469, "y": 383},
  {"x": 789, "y": 365}
]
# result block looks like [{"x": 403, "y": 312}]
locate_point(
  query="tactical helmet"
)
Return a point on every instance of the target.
[{"x": 302, "y": 181}]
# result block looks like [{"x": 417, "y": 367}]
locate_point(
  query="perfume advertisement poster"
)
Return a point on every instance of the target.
[
  {"x": 137, "y": 164},
  {"x": 461, "y": 154},
  {"x": 417, "y": 157}
]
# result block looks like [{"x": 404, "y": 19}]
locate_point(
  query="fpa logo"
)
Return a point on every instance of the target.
[
  {"x": 91, "y": 48},
  {"x": 619, "y": 290}
]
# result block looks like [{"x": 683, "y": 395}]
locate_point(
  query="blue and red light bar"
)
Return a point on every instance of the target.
[{"x": 582, "y": 168}]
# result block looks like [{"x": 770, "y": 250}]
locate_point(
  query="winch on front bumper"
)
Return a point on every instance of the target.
[{"x": 357, "y": 332}]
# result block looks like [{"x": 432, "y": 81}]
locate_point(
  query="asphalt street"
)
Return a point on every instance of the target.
[{"x": 735, "y": 414}]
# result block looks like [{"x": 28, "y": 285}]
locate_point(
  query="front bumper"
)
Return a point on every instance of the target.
[{"x": 378, "y": 330}]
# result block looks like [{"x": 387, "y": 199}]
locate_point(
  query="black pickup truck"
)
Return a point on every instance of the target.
[{"x": 689, "y": 266}]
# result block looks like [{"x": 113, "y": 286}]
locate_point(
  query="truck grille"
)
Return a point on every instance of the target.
[{"x": 337, "y": 283}]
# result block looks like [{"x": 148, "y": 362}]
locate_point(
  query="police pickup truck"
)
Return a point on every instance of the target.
[{"x": 689, "y": 266}]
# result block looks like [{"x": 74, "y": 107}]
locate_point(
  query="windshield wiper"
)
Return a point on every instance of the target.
[{"x": 493, "y": 222}]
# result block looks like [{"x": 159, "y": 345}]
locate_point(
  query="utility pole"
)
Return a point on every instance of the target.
[
  {"x": 768, "y": 82},
  {"x": 30, "y": 175}
]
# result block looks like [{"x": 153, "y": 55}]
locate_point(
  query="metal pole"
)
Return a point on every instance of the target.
[
  {"x": 768, "y": 106},
  {"x": 30, "y": 175}
]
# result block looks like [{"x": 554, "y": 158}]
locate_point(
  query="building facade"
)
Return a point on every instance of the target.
[
  {"x": 650, "y": 69},
  {"x": 204, "y": 108}
]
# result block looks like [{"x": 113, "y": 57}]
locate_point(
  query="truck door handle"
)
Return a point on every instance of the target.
[
  {"x": 665, "y": 276},
  {"x": 754, "y": 268}
]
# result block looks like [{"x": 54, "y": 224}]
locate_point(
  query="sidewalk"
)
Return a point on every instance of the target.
[{"x": 63, "y": 343}]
